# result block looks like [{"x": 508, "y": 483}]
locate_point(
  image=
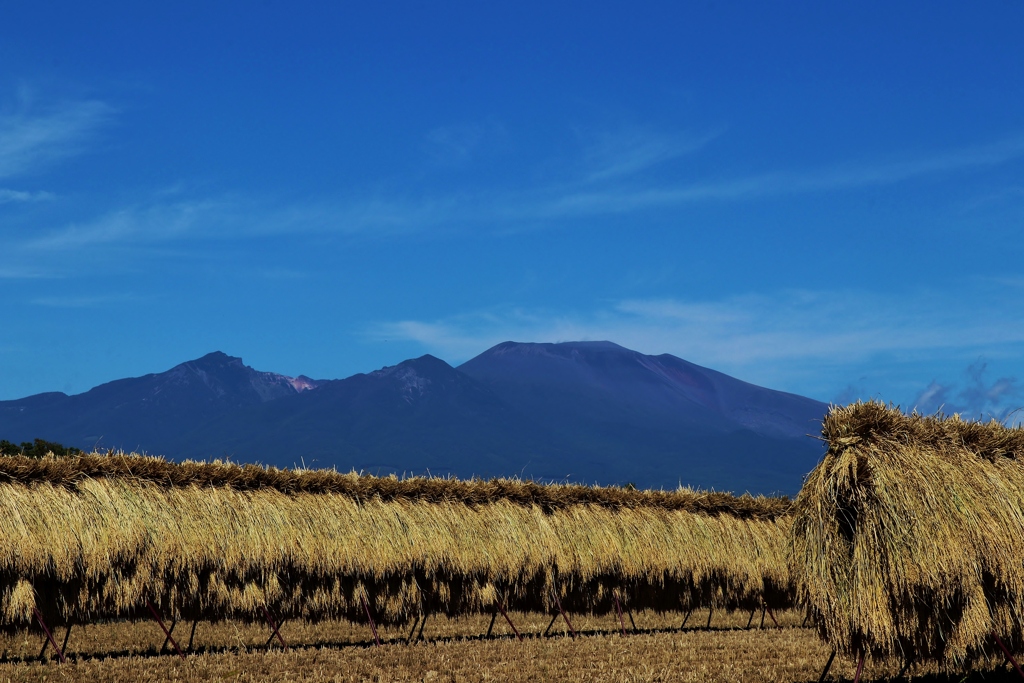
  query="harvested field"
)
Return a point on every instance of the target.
[
  {"x": 906, "y": 538},
  {"x": 454, "y": 651},
  {"x": 97, "y": 537}
]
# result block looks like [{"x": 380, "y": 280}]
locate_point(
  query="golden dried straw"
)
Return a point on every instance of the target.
[
  {"x": 94, "y": 536},
  {"x": 906, "y": 539}
]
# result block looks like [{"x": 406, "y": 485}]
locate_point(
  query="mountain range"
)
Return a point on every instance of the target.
[{"x": 590, "y": 412}]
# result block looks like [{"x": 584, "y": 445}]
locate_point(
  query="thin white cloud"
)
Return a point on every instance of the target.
[
  {"x": 33, "y": 137},
  {"x": 781, "y": 183},
  {"x": 23, "y": 272},
  {"x": 769, "y": 339},
  {"x": 81, "y": 301},
  {"x": 459, "y": 144},
  {"x": 626, "y": 152},
  {"x": 8, "y": 196},
  {"x": 141, "y": 225},
  {"x": 377, "y": 213}
]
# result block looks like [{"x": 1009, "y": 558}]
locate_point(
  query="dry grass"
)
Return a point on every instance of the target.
[
  {"x": 338, "y": 651},
  {"x": 93, "y": 537},
  {"x": 906, "y": 538}
]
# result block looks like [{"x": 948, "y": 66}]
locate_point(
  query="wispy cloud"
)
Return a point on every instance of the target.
[
  {"x": 458, "y": 144},
  {"x": 31, "y": 137},
  {"x": 975, "y": 395},
  {"x": 842, "y": 176},
  {"x": 84, "y": 301},
  {"x": 615, "y": 154},
  {"x": 143, "y": 224},
  {"x": 8, "y": 196},
  {"x": 24, "y": 272},
  {"x": 779, "y": 339},
  {"x": 611, "y": 181}
]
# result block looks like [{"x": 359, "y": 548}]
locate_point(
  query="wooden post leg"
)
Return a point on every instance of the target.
[
  {"x": 860, "y": 668},
  {"x": 491, "y": 627},
  {"x": 906, "y": 666},
  {"x": 67, "y": 634},
  {"x": 774, "y": 621},
  {"x": 373, "y": 626},
  {"x": 711, "y": 610},
  {"x": 422, "y": 624},
  {"x": 49, "y": 636},
  {"x": 751, "y": 619},
  {"x": 167, "y": 633},
  {"x": 415, "y": 623},
  {"x": 686, "y": 618},
  {"x": 828, "y": 665},
  {"x": 1006, "y": 652},
  {"x": 631, "y": 622},
  {"x": 550, "y": 624},
  {"x": 806, "y": 617},
  {"x": 501, "y": 606},
  {"x": 564, "y": 615},
  {"x": 276, "y": 631},
  {"x": 192, "y": 635},
  {"x": 763, "y": 611},
  {"x": 174, "y": 622},
  {"x": 618, "y": 608}
]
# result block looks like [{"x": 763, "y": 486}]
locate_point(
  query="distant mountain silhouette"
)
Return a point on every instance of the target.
[{"x": 591, "y": 412}]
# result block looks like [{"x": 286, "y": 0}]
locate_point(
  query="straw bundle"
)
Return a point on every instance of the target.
[
  {"x": 906, "y": 538},
  {"x": 93, "y": 537}
]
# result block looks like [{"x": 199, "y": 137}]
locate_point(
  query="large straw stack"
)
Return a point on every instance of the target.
[
  {"x": 94, "y": 537},
  {"x": 908, "y": 538}
]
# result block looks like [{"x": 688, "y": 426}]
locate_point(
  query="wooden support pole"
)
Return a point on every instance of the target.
[
  {"x": 763, "y": 611},
  {"x": 631, "y": 622},
  {"x": 271, "y": 637},
  {"x": 906, "y": 666},
  {"x": 806, "y": 617},
  {"x": 773, "y": 618},
  {"x": 422, "y": 624},
  {"x": 174, "y": 622},
  {"x": 501, "y": 606},
  {"x": 618, "y": 608},
  {"x": 273, "y": 625},
  {"x": 192, "y": 635},
  {"x": 550, "y": 624},
  {"x": 49, "y": 637},
  {"x": 860, "y": 668},
  {"x": 686, "y": 618},
  {"x": 67, "y": 634},
  {"x": 828, "y": 665},
  {"x": 491, "y": 627},
  {"x": 1006, "y": 652},
  {"x": 564, "y": 615},
  {"x": 415, "y": 623},
  {"x": 373, "y": 626},
  {"x": 163, "y": 628},
  {"x": 711, "y": 610},
  {"x": 751, "y": 619}
]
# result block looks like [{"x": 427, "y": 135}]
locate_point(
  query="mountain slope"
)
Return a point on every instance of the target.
[
  {"x": 591, "y": 412},
  {"x": 143, "y": 413},
  {"x": 655, "y": 418}
]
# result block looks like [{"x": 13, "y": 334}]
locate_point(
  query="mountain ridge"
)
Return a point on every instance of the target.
[{"x": 593, "y": 412}]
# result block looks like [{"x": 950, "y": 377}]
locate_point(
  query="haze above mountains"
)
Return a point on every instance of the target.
[{"x": 589, "y": 412}]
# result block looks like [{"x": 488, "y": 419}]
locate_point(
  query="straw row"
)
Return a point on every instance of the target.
[{"x": 94, "y": 537}]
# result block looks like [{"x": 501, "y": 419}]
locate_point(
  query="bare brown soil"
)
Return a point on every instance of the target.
[{"x": 453, "y": 650}]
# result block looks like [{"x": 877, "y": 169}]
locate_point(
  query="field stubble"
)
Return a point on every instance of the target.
[{"x": 454, "y": 651}]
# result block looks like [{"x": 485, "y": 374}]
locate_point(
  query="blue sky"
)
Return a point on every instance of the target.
[{"x": 823, "y": 199}]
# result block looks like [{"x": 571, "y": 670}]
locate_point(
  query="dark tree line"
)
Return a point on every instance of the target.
[{"x": 36, "y": 449}]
